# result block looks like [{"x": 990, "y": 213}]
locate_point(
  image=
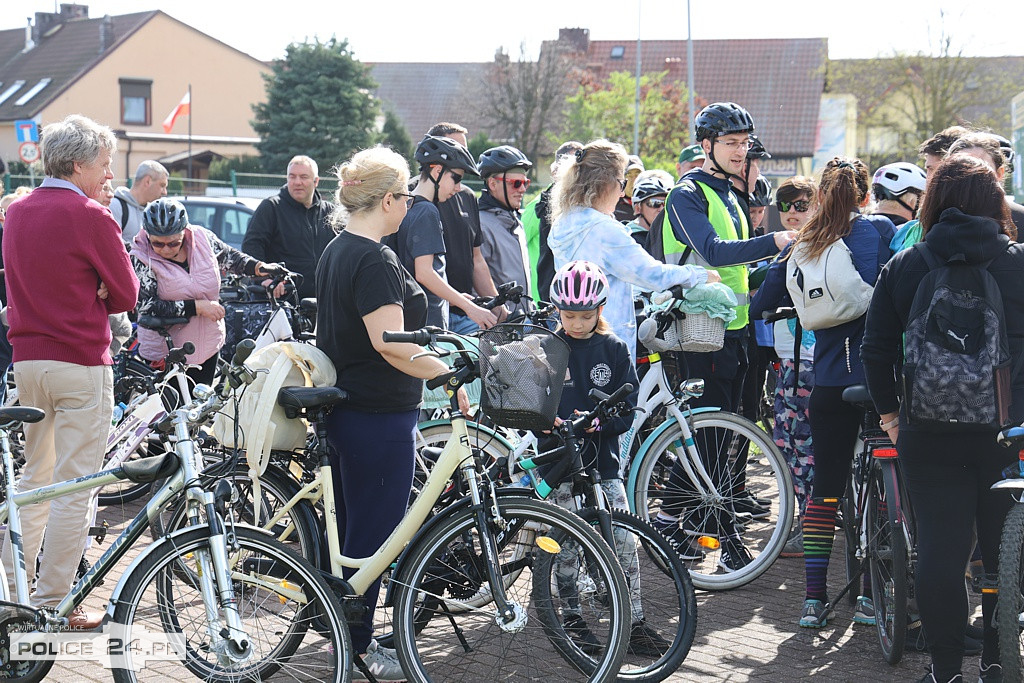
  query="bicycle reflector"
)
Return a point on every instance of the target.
[
  {"x": 548, "y": 545},
  {"x": 889, "y": 452},
  {"x": 709, "y": 542}
]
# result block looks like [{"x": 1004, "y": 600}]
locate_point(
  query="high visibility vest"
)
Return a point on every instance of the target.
[{"x": 733, "y": 277}]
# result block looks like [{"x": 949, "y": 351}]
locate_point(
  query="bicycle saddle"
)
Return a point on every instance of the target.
[
  {"x": 858, "y": 395},
  {"x": 21, "y": 414},
  {"x": 296, "y": 399}
]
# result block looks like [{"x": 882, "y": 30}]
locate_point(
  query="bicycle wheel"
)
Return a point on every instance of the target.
[
  {"x": 298, "y": 528},
  {"x": 291, "y": 618},
  {"x": 887, "y": 559},
  {"x": 476, "y": 644},
  {"x": 1011, "y": 602},
  {"x": 749, "y": 542},
  {"x": 661, "y": 597},
  {"x": 851, "y": 530}
]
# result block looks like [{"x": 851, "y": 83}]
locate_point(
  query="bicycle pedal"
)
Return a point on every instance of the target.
[{"x": 985, "y": 584}]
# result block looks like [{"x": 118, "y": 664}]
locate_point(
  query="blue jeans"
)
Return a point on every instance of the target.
[{"x": 461, "y": 324}]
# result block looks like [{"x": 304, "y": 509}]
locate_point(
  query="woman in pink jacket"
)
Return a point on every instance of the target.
[{"x": 179, "y": 267}]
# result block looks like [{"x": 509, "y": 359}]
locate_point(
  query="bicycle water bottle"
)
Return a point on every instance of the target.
[
  {"x": 118, "y": 413},
  {"x": 524, "y": 482}
]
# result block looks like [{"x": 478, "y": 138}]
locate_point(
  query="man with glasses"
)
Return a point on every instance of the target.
[
  {"x": 420, "y": 243},
  {"x": 503, "y": 239}
]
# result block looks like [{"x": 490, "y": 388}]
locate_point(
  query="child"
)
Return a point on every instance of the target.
[{"x": 598, "y": 360}]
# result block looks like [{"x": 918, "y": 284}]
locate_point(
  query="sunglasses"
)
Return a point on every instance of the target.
[
  {"x": 165, "y": 245},
  {"x": 655, "y": 203},
  {"x": 518, "y": 183},
  {"x": 622, "y": 184},
  {"x": 457, "y": 177},
  {"x": 409, "y": 198},
  {"x": 800, "y": 206}
]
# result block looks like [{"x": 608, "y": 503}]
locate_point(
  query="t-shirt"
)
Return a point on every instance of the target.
[
  {"x": 355, "y": 277},
  {"x": 420, "y": 234},
  {"x": 460, "y": 219}
]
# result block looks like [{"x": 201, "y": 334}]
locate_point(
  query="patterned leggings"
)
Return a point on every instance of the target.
[
  {"x": 566, "y": 574},
  {"x": 792, "y": 431}
]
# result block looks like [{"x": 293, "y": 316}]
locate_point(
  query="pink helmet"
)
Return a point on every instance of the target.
[{"x": 579, "y": 286}]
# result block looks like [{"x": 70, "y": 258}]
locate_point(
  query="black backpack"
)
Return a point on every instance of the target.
[{"x": 956, "y": 374}]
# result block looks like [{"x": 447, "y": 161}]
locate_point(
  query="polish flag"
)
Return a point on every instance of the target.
[{"x": 181, "y": 110}]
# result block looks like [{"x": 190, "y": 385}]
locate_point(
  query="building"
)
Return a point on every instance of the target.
[{"x": 129, "y": 72}]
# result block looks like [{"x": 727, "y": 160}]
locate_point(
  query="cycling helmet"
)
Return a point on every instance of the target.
[
  {"x": 757, "y": 150},
  {"x": 762, "y": 194},
  {"x": 579, "y": 286},
  {"x": 893, "y": 180},
  {"x": 164, "y": 217},
  {"x": 435, "y": 149},
  {"x": 722, "y": 118},
  {"x": 1007, "y": 149},
  {"x": 501, "y": 159},
  {"x": 652, "y": 186}
]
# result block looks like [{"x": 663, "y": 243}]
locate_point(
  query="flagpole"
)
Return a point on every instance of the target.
[{"x": 189, "y": 133}]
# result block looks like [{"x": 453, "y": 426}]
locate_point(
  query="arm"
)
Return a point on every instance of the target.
[
  {"x": 690, "y": 224},
  {"x": 230, "y": 259},
  {"x": 773, "y": 292},
  {"x": 880, "y": 349},
  {"x": 149, "y": 301},
  {"x": 261, "y": 230},
  {"x": 428, "y": 277},
  {"x": 389, "y": 317},
  {"x": 482, "y": 282},
  {"x": 624, "y": 372},
  {"x": 113, "y": 267},
  {"x": 623, "y": 258}
]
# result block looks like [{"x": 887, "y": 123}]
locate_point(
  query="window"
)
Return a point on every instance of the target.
[
  {"x": 6, "y": 94},
  {"x": 136, "y": 102},
  {"x": 618, "y": 52},
  {"x": 23, "y": 100}
]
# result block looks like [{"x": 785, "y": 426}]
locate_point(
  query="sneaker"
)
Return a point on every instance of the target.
[
  {"x": 813, "y": 615},
  {"x": 744, "y": 504},
  {"x": 578, "y": 631},
  {"x": 644, "y": 640},
  {"x": 865, "y": 612},
  {"x": 80, "y": 620},
  {"x": 795, "y": 545},
  {"x": 684, "y": 544},
  {"x": 696, "y": 525},
  {"x": 990, "y": 673},
  {"x": 930, "y": 678},
  {"x": 735, "y": 555},
  {"x": 382, "y": 663}
]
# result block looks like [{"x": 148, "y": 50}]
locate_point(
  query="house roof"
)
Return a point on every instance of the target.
[
  {"x": 422, "y": 94},
  {"x": 779, "y": 81},
  {"x": 63, "y": 57}
]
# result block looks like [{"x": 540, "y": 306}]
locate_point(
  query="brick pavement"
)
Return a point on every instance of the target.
[{"x": 747, "y": 634}]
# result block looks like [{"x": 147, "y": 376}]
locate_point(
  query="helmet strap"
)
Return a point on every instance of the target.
[
  {"x": 437, "y": 183},
  {"x": 504, "y": 190},
  {"x": 714, "y": 161},
  {"x": 911, "y": 209}
]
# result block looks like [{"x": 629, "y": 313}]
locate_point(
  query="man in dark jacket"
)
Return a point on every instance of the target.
[{"x": 294, "y": 227}]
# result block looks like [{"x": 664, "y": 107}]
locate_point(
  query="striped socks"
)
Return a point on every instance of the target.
[{"x": 819, "y": 532}]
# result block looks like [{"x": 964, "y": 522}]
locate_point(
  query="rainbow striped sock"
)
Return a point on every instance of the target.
[{"x": 819, "y": 533}]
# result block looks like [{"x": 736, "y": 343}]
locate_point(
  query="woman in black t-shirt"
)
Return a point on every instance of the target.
[{"x": 363, "y": 290}]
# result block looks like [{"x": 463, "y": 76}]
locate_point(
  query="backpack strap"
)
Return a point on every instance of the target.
[
  {"x": 933, "y": 261},
  {"x": 124, "y": 212}
]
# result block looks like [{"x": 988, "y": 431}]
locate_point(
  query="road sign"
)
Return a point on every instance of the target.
[
  {"x": 29, "y": 152},
  {"x": 27, "y": 130}
]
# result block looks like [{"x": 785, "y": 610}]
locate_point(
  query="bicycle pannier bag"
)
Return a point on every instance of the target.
[{"x": 956, "y": 374}]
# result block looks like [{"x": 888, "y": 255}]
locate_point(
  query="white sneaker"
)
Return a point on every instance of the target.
[{"x": 382, "y": 663}]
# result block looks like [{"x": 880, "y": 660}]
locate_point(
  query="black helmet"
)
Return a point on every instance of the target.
[
  {"x": 722, "y": 118},
  {"x": 435, "y": 149},
  {"x": 1007, "y": 149},
  {"x": 762, "y": 194},
  {"x": 164, "y": 217},
  {"x": 757, "y": 150},
  {"x": 501, "y": 159}
]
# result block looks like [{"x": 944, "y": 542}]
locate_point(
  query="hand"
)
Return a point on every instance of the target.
[
  {"x": 272, "y": 269},
  {"x": 278, "y": 291},
  {"x": 892, "y": 432},
  {"x": 713, "y": 277},
  {"x": 481, "y": 316},
  {"x": 103, "y": 292},
  {"x": 502, "y": 314},
  {"x": 463, "y": 399},
  {"x": 211, "y": 310},
  {"x": 784, "y": 237}
]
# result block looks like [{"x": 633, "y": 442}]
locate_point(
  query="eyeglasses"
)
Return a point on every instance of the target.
[
  {"x": 800, "y": 206},
  {"x": 655, "y": 203},
  {"x": 744, "y": 145},
  {"x": 457, "y": 177},
  {"x": 409, "y": 198},
  {"x": 165, "y": 245},
  {"x": 518, "y": 183}
]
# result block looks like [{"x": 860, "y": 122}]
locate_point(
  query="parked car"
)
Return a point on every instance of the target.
[{"x": 227, "y": 217}]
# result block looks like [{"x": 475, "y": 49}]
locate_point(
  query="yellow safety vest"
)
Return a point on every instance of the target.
[{"x": 734, "y": 277}]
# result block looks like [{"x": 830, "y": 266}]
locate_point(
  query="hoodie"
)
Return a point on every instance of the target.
[
  {"x": 589, "y": 235},
  {"x": 503, "y": 245},
  {"x": 978, "y": 239},
  {"x": 131, "y": 224}
]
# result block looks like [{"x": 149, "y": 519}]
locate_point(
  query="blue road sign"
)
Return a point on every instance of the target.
[{"x": 27, "y": 131}]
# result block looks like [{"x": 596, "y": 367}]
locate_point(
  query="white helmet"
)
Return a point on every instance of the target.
[{"x": 894, "y": 180}]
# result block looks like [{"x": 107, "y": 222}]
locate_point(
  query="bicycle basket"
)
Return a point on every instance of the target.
[
  {"x": 678, "y": 331},
  {"x": 522, "y": 369}
]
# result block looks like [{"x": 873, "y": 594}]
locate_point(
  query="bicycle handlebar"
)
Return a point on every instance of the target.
[
  {"x": 417, "y": 337},
  {"x": 510, "y": 292},
  {"x": 673, "y": 292}
]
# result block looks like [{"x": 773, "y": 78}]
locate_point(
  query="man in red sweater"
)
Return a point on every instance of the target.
[{"x": 66, "y": 270}]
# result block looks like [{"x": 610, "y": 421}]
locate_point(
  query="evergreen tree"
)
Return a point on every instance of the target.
[
  {"x": 395, "y": 136},
  {"x": 319, "y": 103}
]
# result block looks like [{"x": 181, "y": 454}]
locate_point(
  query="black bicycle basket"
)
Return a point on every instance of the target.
[{"x": 522, "y": 371}]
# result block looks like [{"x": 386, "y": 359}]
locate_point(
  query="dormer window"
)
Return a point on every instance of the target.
[{"x": 618, "y": 52}]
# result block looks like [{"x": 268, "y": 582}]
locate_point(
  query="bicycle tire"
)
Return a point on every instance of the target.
[
  {"x": 308, "y": 638},
  {"x": 669, "y": 604},
  {"x": 887, "y": 559},
  {"x": 447, "y": 562},
  {"x": 299, "y": 530},
  {"x": 851, "y": 534},
  {"x": 1011, "y": 602},
  {"x": 768, "y": 477}
]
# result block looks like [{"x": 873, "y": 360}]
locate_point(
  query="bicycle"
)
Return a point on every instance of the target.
[
  {"x": 229, "y": 602},
  {"x": 1009, "y": 617},
  {"x": 462, "y": 610},
  {"x": 253, "y": 311}
]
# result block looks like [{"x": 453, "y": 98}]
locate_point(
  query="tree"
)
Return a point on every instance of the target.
[
  {"x": 220, "y": 169},
  {"x": 607, "y": 110},
  {"x": 523, "y": 101},
  {"x": 319, "y": 103},
  {"x": 395, "y": 136},
  {"x": 479, "y": 144}
]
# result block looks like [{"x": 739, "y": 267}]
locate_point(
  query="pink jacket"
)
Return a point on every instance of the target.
[{"x": 174, "y": 283}]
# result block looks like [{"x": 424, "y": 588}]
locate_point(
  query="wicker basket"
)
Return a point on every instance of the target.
[
  {"x": 522, "y": 370},
  {"x": 693, "y": 332}
]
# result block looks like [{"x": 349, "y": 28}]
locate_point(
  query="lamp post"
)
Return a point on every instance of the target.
[
  {"x": 689, "y": 71},
  {"x": 636, "y": 108}
]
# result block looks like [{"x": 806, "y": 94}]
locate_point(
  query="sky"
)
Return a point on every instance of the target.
[{"x": 400, "y": 30}]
